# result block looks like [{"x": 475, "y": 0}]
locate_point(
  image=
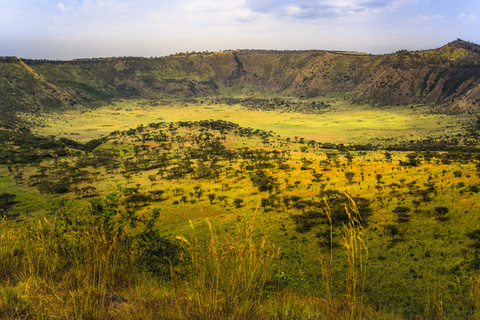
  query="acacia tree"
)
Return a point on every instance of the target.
[
  {"x": 474, "y": 236},
  {"x": 349, "y": 175},
  {"x": 6, "y": 200},
  {"x": 413, "y": 160},
  {"x": 412, "y": 186},
  {"x": 237, "y": 202},
  {"x": 402, "y": 213},
  {"x": 211, "y": 197},
  {"x": 440, "y": 213},
  {"x": 416, "y": 204},
  {"x": 317, "y": 177},
  {"x": 349, "y": 157},
  {"x": 392, "y": 230},
  {"x": 263, "y": 181}
]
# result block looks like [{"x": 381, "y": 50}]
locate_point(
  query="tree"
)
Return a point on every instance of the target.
[
  {"x": 440, "y": 213},
  {"x": 349, "y": 175},
  {"x": 349, "y": 157},
  {"x": 392, "y": 230},
  {"x": 388, "y": 156},
  {"x": 394, "y": 186},
  {"x": 474, "y": 236},
  {"x": 412, "y": 186},
  {"x": 325, "y": 164},
  {"x": 416, "y": 204},
  {"x": 211, "y": 197},
  {"x": 237, "y": 202},
  {"x": 184, "y": 199},
  {"x": 6, "y": 200},
  {"x": 402, "y": 213},
  {"x": 266, "y": 203},
  {"x": 263, "y": 181},
  {"x": 332, "y": 156},
  {"x": 306, "y": 163},
  {"x": 457, "y": 173},
  {"x": 413, "y": 160},
  {"x": 156, "y": 195},
  {"x": 317, "y": 177}
]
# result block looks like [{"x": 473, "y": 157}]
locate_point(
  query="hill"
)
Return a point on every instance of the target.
[{"x": 446, "y": 78}]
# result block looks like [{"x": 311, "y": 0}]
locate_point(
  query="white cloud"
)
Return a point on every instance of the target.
[
  {"x": 468, "y": 16},
  {"x": 307, "y": 9},
  {"x": 61, "y": 6},
  {"x": 157, "y": 27},
  {"x": 422, "y": 19}
]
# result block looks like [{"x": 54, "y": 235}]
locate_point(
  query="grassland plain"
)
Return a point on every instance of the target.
[
  {"x": 421, "y": 261},
  {"x": 345, "y": 124}
]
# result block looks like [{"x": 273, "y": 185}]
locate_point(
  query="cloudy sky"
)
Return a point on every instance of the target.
[{"x": 68, "y": 29}]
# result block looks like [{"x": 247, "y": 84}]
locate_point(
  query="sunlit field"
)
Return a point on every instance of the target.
[
  {"x": 336, "y": 230},
  {"x": 344, "y": 124}
]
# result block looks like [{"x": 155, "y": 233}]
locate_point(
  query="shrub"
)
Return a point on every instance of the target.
[{"x": 457, "y": 173}]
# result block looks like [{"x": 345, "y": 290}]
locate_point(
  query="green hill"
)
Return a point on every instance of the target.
[{"x": 446, "y": 78}]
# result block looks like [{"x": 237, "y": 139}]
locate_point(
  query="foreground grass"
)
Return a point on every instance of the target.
[{"x": 79, "y": 264}]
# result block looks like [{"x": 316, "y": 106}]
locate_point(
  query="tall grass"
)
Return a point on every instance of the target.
[
  {"x": 9, "y": 249},
  {"x": 475, "y": 297},
  {"x": 78, "y": 263},
  {"x": 347, "y": 302},
  {"x": 461, "y": 301},
  {"x": 11, "y": 303},
  {"x": 66, "y": 263},
  {"x": 434, "y": 294},
  {"x": 226, "y": 276},
  {"x": 355, "y": 243},
  {"x": 62, "y": 267}
]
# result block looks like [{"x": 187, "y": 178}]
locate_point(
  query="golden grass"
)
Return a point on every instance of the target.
[
  {"x": 65, "y": 273},
  {"x": 347, "y": 302},
  {"x": 226, "y": 277},
  {"x": 350, "y": 124}
]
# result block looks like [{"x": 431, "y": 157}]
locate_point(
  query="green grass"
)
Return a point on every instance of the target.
[
  {"x": 347, "y": 124},
  {"x": 29, "y": 202},
  {"x": 408, "y": 274},
  {"x": 65, "y": 265}
]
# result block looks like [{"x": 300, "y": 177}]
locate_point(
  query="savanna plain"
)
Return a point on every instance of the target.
[{"x": 199, "y": 210}]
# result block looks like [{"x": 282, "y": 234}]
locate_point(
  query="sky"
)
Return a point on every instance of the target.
[{"x": 72, "y": 29}]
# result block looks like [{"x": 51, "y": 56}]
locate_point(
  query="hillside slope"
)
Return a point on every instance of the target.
[
  {"x": 23, "y": 90},
  {"x": 447, "y": 78}
]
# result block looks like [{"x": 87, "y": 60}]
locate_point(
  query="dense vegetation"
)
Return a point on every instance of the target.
[{"x": 143, "y": 187}]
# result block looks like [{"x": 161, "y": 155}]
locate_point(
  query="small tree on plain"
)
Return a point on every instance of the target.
[
  {"x": 440, "y": 213},
  {"x": 402, "y": 213},
  {"x": 237, "y": 202}
]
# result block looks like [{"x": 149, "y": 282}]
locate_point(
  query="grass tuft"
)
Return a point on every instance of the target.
[{"x": 226, "y": 275}]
